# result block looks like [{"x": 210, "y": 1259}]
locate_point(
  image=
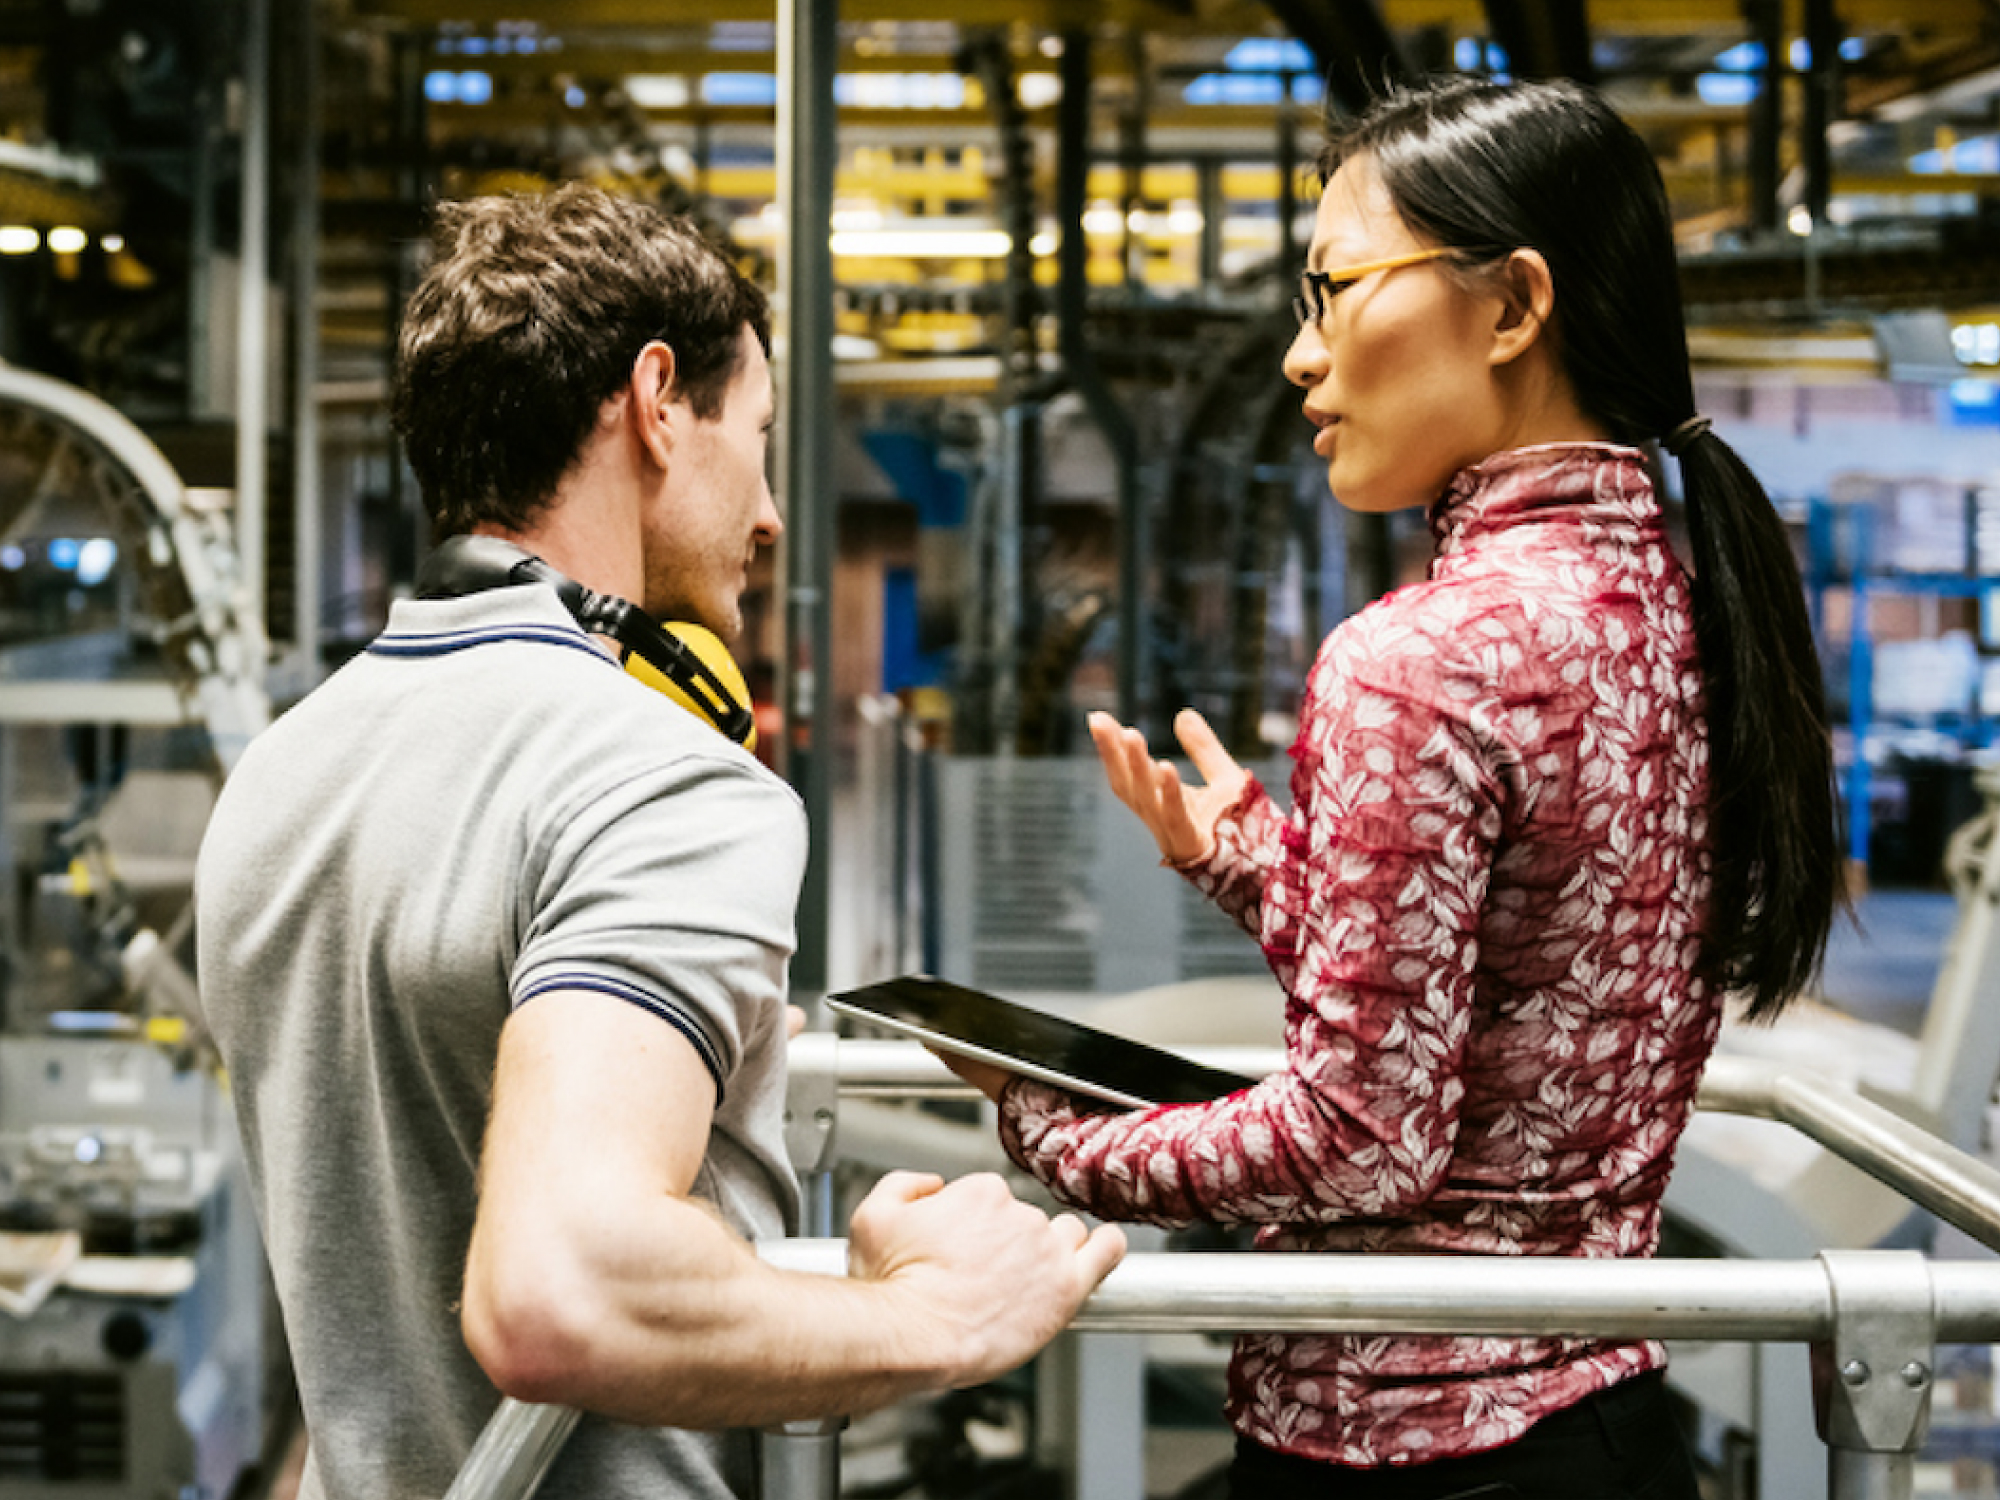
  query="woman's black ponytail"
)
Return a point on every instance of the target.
[{"x": 1772, "y": 825}]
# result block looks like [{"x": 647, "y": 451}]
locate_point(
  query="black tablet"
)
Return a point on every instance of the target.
[{"x": 1033, "y": 1042}]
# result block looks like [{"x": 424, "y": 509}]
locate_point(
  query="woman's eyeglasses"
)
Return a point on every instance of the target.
[{"x": 1317, "y": 289}]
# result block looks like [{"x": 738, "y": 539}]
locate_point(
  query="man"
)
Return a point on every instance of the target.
[{"x": 481, "y": 863}]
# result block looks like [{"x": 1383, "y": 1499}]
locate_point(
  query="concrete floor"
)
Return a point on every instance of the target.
[{"x": 1881, "y": 965}]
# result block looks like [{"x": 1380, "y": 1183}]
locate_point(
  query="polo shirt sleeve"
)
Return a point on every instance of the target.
[{"x": 673, "y": 889}]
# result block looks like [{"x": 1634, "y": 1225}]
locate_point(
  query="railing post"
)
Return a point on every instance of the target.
[
  {"x": 513, "y": 1452},
  {"x": 800, "y": 1461},
  {"x": 1872, "y": 1381},
  {"x": 812, "y": 1110}
]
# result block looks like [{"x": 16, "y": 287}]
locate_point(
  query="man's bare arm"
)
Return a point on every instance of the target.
[{"x": 595, "y": 1281}]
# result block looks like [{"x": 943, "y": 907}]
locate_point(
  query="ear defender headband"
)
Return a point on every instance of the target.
[{"x": 686, "y": 662}]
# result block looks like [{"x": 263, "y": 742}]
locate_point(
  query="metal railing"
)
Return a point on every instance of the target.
[{"x": 1872, "y": 1318}]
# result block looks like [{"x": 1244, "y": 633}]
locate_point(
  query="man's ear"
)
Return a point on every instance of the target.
[
  {"x": 1528, "y": 300},
  {"x": 650, "y": 406}
]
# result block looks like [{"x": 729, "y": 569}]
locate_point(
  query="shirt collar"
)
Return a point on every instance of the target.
[{"x": 1578, "y": 478}]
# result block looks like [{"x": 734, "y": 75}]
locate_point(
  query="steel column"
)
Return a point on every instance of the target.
[
  {"x": 807, "y": 127},
  {"x": 252, "y": 301},
  {"x": 306, "y": 517}
]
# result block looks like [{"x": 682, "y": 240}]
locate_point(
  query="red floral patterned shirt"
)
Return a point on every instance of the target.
[{"x": 1484, "y": 908}]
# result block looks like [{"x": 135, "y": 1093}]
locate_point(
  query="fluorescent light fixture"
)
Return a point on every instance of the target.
[
  {"x": 18, "y": 239},
  {"x": 1270, "y": 54},
  {"x": 67, "y": 239},
  {"x": 1725, "y": 90},
  {"x": 1038, "y": 90},
  {"x": 923, "y": 244},
  {"x": 657, "y": 90},
  {"x": 95, "y": 559},
  {"x": 1977, "y": 343},
  {"x": 742, "y": 90},
  {"x": 742, "y": 36},
  {"x": 1045, "y": 244},
  {"x": 899, "y": 90},
  {"x": 1234, "y": 88},
  {"x": 441, "y": 86},
  {"x": 1973, "y": 89},
  {"x": 113, "y": 244},
  {"x": 1472, "y": 55},
  {"x": 46, "y": 161}
]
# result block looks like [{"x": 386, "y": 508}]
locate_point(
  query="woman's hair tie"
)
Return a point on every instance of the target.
[{"x": 1682, "y": 437}]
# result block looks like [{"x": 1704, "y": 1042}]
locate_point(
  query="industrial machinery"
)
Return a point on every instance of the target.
[{"x": 133, "y": 1327}]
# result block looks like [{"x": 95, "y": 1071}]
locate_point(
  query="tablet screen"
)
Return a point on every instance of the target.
[{"x": 1033, "y": 1042}]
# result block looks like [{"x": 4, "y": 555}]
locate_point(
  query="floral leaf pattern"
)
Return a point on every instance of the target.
[{"x": 1484, "y": 906}]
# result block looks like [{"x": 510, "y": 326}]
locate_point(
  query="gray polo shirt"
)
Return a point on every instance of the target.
[{"x": 480, "y": 810}]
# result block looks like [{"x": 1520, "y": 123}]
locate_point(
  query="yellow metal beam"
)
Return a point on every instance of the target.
[
  {"x": 592, "y": 61},
  {"x": 971, "y": 182},
  {"x": 572, "y": 17}
]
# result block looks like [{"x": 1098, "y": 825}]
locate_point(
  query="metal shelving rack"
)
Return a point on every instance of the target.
[{"x": 1842, "y": 553}]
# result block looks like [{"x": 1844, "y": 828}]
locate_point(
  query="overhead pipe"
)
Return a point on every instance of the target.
[
  {"x": 1352, "y": 45},
  {"x": 1015, "y": 620},
  {"x": 306, "y": 515},
  {"x": 1545, "y": 39},
  {"x": 1080, "y": 364},
  {"x": 252, "y": 301},
  {"x": 1765, "y": 20},
  {"x": 1822, "y": 37}
]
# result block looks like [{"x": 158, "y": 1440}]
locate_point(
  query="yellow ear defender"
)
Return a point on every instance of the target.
[
  {"x": 715, "y": 694},
  {"x": 687, "y": 662}
]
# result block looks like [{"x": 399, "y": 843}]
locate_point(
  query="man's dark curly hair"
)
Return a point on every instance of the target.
[{"x": 528, "y": 321}]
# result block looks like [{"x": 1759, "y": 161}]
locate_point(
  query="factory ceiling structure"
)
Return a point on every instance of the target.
[{"x": 1868, "y": 122}]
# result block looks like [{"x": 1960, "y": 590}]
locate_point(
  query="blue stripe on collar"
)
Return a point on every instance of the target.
[{"x": 445, "y": 642}]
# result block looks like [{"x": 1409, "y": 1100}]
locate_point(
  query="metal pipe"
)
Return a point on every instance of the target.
[
  {"x": 1073, "y": 155},
  {"x": 514, "y": 1451},
  {"x": 306, "y": 518},
  {"x": 252, "y": 302},
  {"x": 800, "y": 1461},
  {"x": 808, "y": 54},
  {"x": 1766, "y": 22},
  {"x": 1736, "y": 1300},
  {"x": 1935, "y": 1175}
]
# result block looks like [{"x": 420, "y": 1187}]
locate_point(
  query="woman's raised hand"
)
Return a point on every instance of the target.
[{"x": 1181, "y": 818}]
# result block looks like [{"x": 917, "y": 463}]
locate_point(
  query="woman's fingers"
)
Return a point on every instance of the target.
[
  {"x": 1153, "y": 789},
  {"x": 1203, "y": 748}
]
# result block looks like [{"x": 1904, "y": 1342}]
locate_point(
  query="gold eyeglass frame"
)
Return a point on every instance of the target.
[{"x": 1317, "y": 289}]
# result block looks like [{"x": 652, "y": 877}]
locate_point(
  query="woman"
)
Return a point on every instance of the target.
[{"x": 1549, "y": 808}]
